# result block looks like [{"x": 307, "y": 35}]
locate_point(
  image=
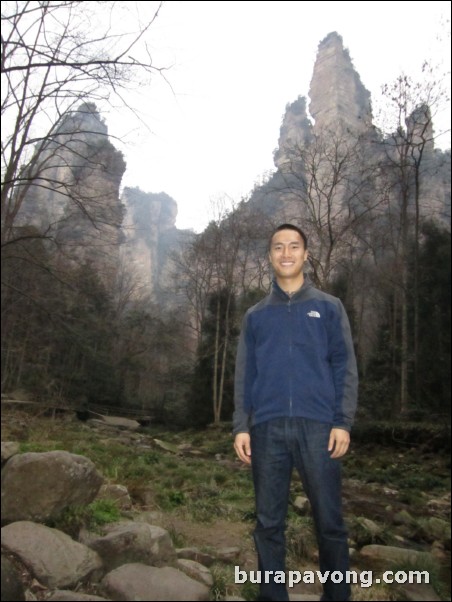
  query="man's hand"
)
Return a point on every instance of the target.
[
  {"x": 339, "y": 442},
  {"x": 242, "y": 447}
]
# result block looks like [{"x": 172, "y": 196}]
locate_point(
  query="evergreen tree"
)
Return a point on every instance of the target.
[{"x": 434, "y": 322}]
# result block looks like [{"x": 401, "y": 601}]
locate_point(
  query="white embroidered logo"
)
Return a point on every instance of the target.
[{"x": 313, "y": 314}]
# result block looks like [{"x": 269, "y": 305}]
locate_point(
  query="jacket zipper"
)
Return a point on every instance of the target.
[{"x": 289, "y": 311}]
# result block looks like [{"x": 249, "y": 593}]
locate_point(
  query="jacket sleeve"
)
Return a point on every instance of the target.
[
  {"x": 345, "y": 372},
  {"x": 244, "y": 372}
]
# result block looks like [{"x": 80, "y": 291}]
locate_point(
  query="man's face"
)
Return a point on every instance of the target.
[{"x": 287, "y": 254}]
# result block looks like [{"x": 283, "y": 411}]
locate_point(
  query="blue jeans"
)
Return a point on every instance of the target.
[{"x": 276, "y": 447}]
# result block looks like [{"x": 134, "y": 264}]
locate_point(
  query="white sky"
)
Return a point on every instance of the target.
[{"x": 236, "y": 65}]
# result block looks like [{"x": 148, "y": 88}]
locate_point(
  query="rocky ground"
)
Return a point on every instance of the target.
[{"x": 386, "y": 502}]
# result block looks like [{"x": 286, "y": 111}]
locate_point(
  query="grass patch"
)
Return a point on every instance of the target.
[
  {"x": 91, "y": 517},
  {"x": 403, "y": 470},
  {"x": 250, "y": 591},
  {"x": 418, "y": 568},
  {"x": 179, "y": 540},
  {"x": 221, "y": 578}
]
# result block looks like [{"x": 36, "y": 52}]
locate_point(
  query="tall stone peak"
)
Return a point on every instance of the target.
[
  {"x": 337, "y": 120},
  {"x": 150, "y": 237},
  {"x": 295, "y": 132},
  {"x": 73, "y": 195},
  {"x": 84, "y": 119},
  {"x": 419, "y": 127},
  {"x": 339, "y": 103},
  {"x": 147, "y": 211},
  {"x": 338, "y": 97}
]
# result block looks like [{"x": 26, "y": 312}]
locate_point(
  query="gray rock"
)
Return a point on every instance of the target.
[
  {"x": 39, "y": 486},
  {"x": 392, "y": 554},
  {"x": 9, "y": 449},
  {"x": 117, "y": 493},
  {"x": 126, "y": 423},
  {"x": 195, "y": 554},
  {"x": 227, "y": 555},
  {"x": 52, "y": 556},
  {"x": 140, "y": 582},
  {"x": 302, "y": 504},
  {"x": 196, "y": 571},
  {"x": 130, "y": 542},
  {"x": 419, "y": 592}
]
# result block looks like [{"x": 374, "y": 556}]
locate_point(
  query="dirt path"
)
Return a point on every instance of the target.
[
  {"x": 225, "y": 534},
  {"x": 215, "y": 535}
]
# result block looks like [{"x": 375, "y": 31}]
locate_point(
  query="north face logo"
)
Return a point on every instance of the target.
[{"x": 313, "y": 314}]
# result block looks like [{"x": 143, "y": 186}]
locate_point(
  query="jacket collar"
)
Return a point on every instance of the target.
[{"x": 277, "y": 290}]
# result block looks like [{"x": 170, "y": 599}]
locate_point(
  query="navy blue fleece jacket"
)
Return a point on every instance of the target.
[{"x": 295, "y": 358}]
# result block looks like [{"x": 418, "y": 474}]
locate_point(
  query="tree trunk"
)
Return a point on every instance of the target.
[
  {"x": 215, "y": 362},
  {"x": 404, "y": 353},
  {"x": 224, "y": 359}
]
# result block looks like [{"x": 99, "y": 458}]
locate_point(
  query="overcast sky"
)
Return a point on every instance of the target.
[{"x": 235, "y": 67}]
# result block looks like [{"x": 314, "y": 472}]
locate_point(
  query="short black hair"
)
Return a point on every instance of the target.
[{"x": 289, "y": 227}]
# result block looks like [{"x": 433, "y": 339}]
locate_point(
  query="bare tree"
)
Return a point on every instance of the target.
[
  {"x": 194, "y": 272},
  {"x": 214, "y": 269},
  {"x": 407, "y": 169},
  {"x": 60, "y": 63},
  {"x": 54, "y": 56},
  {"x": 328, "y": 184}
]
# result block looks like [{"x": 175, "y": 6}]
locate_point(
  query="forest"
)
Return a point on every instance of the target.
[{"x": 76, "y": 329}]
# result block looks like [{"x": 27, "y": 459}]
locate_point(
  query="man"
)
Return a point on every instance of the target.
[{"x": 295, "y": 398}]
